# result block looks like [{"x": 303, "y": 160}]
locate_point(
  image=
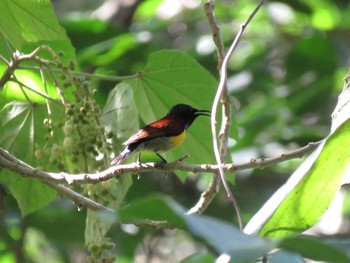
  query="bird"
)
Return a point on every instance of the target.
[{"x": 161, "y": 135}]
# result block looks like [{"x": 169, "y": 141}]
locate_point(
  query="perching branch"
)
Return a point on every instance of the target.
[
  {"x": 11, "y": 163},
  {"x": 220, "y": 95}
]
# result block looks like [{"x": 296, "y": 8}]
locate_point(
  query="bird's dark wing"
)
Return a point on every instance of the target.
[{"x": 164, "y": 127}]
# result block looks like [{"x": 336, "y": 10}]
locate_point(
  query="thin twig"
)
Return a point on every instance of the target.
[
  {"x": 155, "y": 225},
  {"x": 208, "y": 195},
  {"x": 86, "y": 75},
  {"x": 16, "y": 59},
  {"x": 215, "y": 29},
  {"x": 221, "y": 87}
]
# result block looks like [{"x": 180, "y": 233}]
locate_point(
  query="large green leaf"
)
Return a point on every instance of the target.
[
  {"x": 13, "y": 92},
  {"x": 300, "y": 203},
  {"x": 26, "y": 25},
  {"x": 201, "y": 257},
  {"x": 119, "y": 115},
  {"x": 21, "y": 127},
  {"x": 169, "y": 78},
  {"x": 314, "y": 249},
  {"x": 30, "y": 194},
  {"x": 222, "y": 236},
  {"x": 29, "y": 21}
]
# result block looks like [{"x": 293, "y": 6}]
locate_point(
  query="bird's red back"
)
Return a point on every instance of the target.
[{"x": 165, "y": 127}]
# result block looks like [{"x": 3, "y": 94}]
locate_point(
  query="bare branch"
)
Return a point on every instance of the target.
[
  {"x": 219, "y": 96},
  {"x": 208, "y": 195},
  {"x": 215, "y": 29},
  {"x": 11, "y": 163},
  {"x": 78, "y": 199},
  {"x": 153, "y": 224},
  {"x": 55, "y": 180}
]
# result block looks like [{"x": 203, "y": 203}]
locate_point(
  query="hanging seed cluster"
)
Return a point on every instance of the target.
[{"x": 82, "y": 146}]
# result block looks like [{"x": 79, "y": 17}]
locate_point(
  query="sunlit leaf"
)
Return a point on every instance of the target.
[
  {"x": 341, "y": 112},
  {"x": 314, "y": 249},
  {"x": 26, "y": 25},
  {"x": 21, "y": 127},
  {"x": 300, "y": 203},
  {"x": 29, "y": 21},
  {"x": 33, "y": 88},
  {"x": 202, "y": 257}
]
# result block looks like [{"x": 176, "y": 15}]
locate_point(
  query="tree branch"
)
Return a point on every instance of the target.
[
  {"x": 220, "y": 95},
  {"x": 213, "y": 188},
  {"x": 11, "y": 163}
]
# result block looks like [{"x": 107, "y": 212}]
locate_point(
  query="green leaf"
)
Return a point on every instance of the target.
[
  {"x": 29, "y": 21},
  {"x": 286, "y": 257},
  {"x": 21, "y": 127},
  {"x": 17, "y": 130},
  {"x": 119, "y": 115},
  {"x": 300, "y": 203},
  {"x": 222, "y": 236},
  {"x": 201, "y": 257},
  {"x": 107, "y": 52},
  {"x": 13, "y": 92},
  {"x": 169, "y": 78},
  {"x": 30, "y": 194},
  {"x": 314, "y": 249},
  {"x": 26, "y": 25}
]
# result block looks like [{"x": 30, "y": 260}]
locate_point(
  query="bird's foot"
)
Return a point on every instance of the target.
[{"x": 138, "y": 160}]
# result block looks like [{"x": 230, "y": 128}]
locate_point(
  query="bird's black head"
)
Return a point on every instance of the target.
[{"x": 186, "y": 114}]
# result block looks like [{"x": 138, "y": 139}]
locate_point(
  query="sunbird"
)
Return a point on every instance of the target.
[{"x": 161, "y": 135}]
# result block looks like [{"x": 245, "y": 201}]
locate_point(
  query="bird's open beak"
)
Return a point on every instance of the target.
[{"x": 203, "y": 112}]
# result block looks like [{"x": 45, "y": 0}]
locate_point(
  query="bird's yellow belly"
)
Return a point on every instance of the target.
[
  {"x": 161, "y": 144},
  {"x": 176, "y": 140}
]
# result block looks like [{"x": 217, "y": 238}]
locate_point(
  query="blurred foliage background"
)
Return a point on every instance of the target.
[{"x": 284, "y": 80}]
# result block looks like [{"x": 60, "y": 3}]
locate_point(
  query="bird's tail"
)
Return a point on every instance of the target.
[{"x": 121, "y": 156}]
